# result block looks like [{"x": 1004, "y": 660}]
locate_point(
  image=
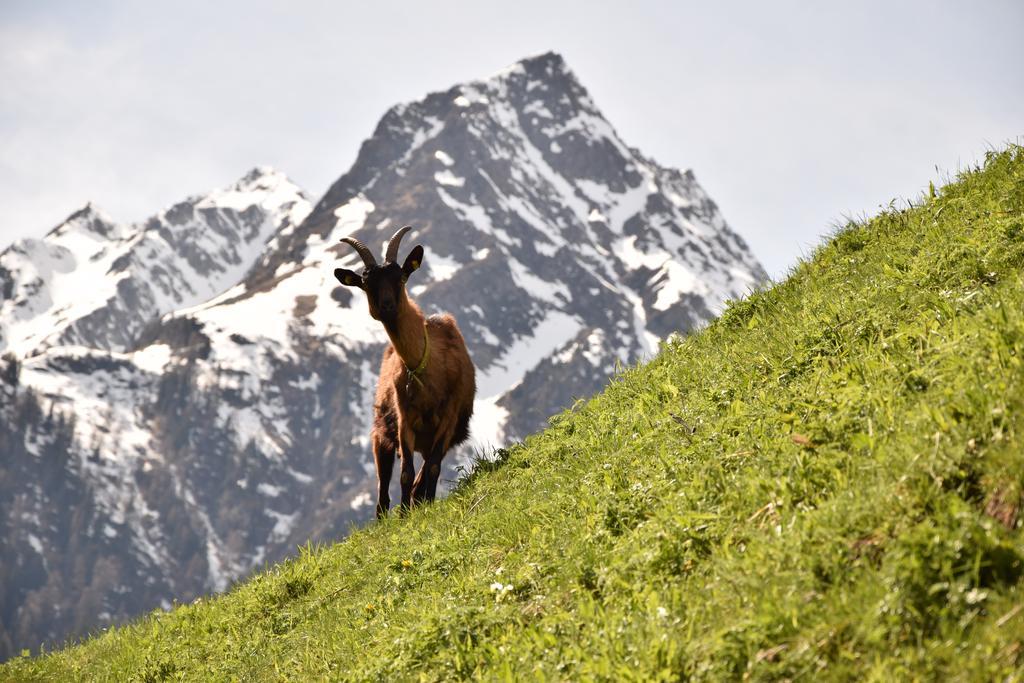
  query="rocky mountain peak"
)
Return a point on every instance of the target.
[
  {"x": 264, "y": 179},
  {"x": 543, "y": 230},
  {"x": 89, "y": 219}
]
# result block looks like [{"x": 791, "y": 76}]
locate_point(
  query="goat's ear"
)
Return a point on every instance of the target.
[
  {"x": 413, "y": 260},
  {"x": 348, "y": 278}
]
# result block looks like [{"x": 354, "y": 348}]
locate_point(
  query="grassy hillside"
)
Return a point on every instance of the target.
[{"x": 826, "y": 482}]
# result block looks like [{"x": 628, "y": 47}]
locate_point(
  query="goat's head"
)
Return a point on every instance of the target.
[{"x": 384, "y": 284}]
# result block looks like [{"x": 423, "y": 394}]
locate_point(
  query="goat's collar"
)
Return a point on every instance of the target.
[{"x": 421, "y": 368}]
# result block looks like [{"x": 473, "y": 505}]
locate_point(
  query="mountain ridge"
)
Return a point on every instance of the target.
[{"x": 204, "y": 241}]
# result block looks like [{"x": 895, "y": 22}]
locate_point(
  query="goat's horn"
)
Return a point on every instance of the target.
[
  {"x": 396, "y": 239},
  {"x": 364, "y": 251}
]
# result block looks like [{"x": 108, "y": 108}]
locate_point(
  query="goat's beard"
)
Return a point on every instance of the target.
[{"x": 390, "y": 323}]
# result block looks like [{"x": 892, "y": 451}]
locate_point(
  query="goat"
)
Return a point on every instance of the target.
[{"x": 427, "y": 382}]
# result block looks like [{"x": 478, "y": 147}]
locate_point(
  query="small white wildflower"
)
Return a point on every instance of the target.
[
  {"x": 607, "y": 466},
  {"x": 975, "y": 595},
  {"x": 501, "y": 589},
  {"x": 662, "y": 613}
]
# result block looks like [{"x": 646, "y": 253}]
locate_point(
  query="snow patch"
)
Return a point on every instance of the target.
[
  {"x": 551, "y": 292},
  {"x": 36, "y": 544},
  {"x": 153, "y": 358},
  {"x": 269, "y": 490},
  {"x": 523, "y": 354},
  {"x": 283, "y": 524},
  {"x": 300, "y": 477},
  {"x": 678, "y": 281},
  {"x": 351, "y": 217},
  {"x": 441, "y": 267},
  {"x": 362, "y": 500},
  {"x": 446, "y": 177},
  {"x": 487, "y": 426}
]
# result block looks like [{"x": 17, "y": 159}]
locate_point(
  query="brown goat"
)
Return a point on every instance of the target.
[{"x": 427, "y": 381}]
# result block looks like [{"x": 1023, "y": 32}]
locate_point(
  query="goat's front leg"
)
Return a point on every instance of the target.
[
  {"x": 425, "y": 487},
  {"x": 406, "y": 444},
  {"x": 384, "y": 457},
  {"x": 426, "y": 481}
]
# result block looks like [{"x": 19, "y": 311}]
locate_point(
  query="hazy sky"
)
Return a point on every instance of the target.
[{"x": 792, "y": 115}]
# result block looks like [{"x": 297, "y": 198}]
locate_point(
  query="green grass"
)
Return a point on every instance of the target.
[{"x": 824, "y": 483}]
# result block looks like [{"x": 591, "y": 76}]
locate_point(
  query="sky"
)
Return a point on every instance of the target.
[{"x": 794, "y": 116}]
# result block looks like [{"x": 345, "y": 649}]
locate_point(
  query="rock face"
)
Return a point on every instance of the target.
[{"x": 190, "y": 398}]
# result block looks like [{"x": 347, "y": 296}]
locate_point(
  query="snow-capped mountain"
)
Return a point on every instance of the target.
[
  {"x": 95, "y": 283},
  {"x": 189, "y": 398}
]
